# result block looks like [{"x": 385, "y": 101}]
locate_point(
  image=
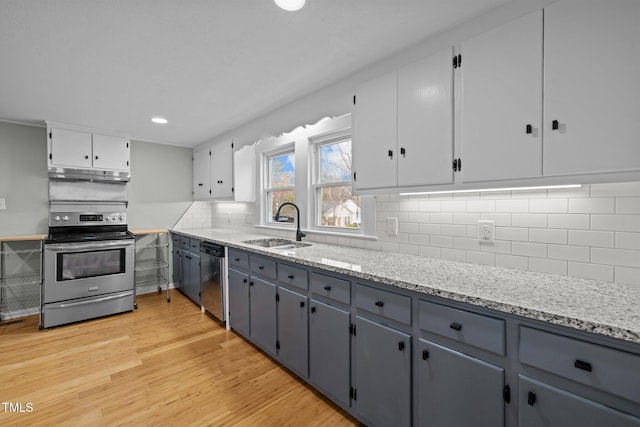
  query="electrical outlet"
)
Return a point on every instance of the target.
[
  {"x": 3, "y": 204},
  {"x": 486, "y": 230},
  {"x": 392, "y": 226}
]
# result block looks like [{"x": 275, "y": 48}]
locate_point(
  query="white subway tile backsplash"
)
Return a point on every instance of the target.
[
  {"x": 512, "y": 233},
  {"x": 454, "y": 206},
  {"x": 512, "y": 261},
  {"x": 454, "y": 230},
  {"x": 627, "y": 240},
  {"x": 548, "y": 206},
  {"x": 500, "y": 219},
  {"x": 546, "y": 235},
  {"x": 484, "y": 258},
  {"x": 441, "y": 241},
  {"x": 521, "y": 205},
  {"x": 625, "y": 189},
  {"x": 453, "y": 254},
  {"x": 529, "y": 220},
  {"x": 569, "y": 253},
  {"x": 592, "y": 206},
  {"x": 429, "y": 251},
  {"x": 466, "y": 218},
  {"x": 441, "y": 218},
  {"x": 529, "y": 194},
  {"x": 430, "y": 228},
  {"x": 537, "y": 250},
  {"x": 628, "y": 276},
  {"x": 418, "y": 217},
  {"x": 569, "y": 193},
  {"x": 498, "y": 247},
  {"x": 569, "y": 221},
  {"x": 409, "y": 249},
  {"x": 550, "y": 266},
  {"x": 628, "y": 205},
  {"x": 430, "y": 205},
  {"x": 616, "y": 222},
  {"x": 468, "y": 244},
  {"x": 408, "y": 227},
  {"x": 602, "y": 239},
  {"x": 591, "y": 271},
  {"x": 617, "y": 257},
  {"x": 389, "y": 247},
  {"x": 481, "y": 206},
  {"x": 419, "y": 239}
]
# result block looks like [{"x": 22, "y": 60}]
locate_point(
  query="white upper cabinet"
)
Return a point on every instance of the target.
[
  {"x": 244, "y": 175},
  {"x": 501, "y": 111},
  {"x": 425, "y": 121},
  {"x": 213, "y": 171},
  {"x": 403, "y": 126},
  {"x": 592, "y": 67},
  {"x": 83, "y": 149},
  {"x": 375, "y": 133}
]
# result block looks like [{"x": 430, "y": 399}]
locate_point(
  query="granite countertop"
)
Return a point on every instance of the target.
[{"x": 609, "y": 309}]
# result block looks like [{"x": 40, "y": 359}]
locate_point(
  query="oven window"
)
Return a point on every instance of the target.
[{"x": 78, "y": 265}]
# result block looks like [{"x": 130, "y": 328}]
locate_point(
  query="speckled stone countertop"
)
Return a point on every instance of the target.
[{"x": 603, "y": 308}]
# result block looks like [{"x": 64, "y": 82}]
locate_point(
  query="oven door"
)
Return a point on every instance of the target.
[{"x": 84, "y": 269}]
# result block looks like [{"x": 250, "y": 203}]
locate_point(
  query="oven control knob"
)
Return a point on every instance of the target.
[
  {"x": 56, "y": 218},
  {"x": 121, "y": 217},
  {"x": 114, "y": 217},
  {"x": 65, "y": 218}
]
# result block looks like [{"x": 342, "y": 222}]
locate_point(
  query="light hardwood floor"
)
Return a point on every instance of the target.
[{"x": 162, "y": 364}]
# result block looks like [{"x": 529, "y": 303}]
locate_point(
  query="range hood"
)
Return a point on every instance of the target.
[{"x": 89, "y": 175}]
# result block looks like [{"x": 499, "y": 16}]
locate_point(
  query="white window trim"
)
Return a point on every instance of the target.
[{"x": 266, "y": 189}]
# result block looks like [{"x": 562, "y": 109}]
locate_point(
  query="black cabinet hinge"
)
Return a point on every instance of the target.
[
  {"x": 50, "y": 156},
  {"x": 354, "y": 176},
  {"x": 278, "y": 297},
  {"x": 209, "y": 152},
  {"x": 457, "y": 61},
  {"x": 353, "y": 394},
  {"x": 506, "y": 394},
  {"x": 50, "y": 135},
  {"x": 232, "y": 190},
  {"x": 354, "y": 100},
  {"x": 232, "y": 145},
  {"x": 209, "y": 191},
  {"x": 127, "y": 163},
  {"x": 127, "y": 145}
]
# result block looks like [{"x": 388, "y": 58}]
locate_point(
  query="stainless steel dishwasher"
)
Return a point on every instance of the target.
[{"x": 211, "y": 278}]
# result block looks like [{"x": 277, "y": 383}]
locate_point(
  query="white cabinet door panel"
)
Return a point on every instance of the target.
[
  {"x": 110, "y": 152},
  {"x": 222, "y": 170},
  {"x": 375, "y": 135},
  {"x": 70, "y": 148},
  {"x": 201, "y": 174},
  {"x": 592, "y": 66},
  {"x": 425, "y": 121},
  {"x": 501, "y": 95}
]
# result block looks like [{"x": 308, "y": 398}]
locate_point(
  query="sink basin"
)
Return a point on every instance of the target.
[{"x": 277, "y": 243}]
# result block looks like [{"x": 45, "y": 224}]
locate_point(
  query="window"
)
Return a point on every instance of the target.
[
  {"x": 335, "y": 206},
  {"x": 280, "y": 186}
]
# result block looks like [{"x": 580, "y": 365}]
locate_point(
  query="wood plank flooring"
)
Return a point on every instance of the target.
[{"x": 164, "y": 364}]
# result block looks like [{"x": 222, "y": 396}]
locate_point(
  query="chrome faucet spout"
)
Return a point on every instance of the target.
[{"x": 299, "y": 233}]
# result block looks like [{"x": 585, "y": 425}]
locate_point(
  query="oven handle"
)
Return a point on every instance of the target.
[{"x": 104, "y": 244}]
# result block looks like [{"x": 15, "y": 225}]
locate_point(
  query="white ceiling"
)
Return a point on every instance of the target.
[{"x": 208, "y": 66}]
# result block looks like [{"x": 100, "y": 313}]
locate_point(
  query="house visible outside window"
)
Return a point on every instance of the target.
[
  {"x": 280, "y": 186},
  {"x": 335, "y": 206}
]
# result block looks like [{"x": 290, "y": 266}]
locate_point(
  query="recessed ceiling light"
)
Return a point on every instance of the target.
[
  {"x": 290, "y": 5},
  {"x": 159, "y": 120}
]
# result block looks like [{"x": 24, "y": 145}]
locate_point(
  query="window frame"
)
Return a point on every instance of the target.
[{"x": 267, "y": 190}]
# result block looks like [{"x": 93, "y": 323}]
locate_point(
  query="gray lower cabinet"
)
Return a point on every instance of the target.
[
  {"x": 382, "y": 374},
  {"x": 543, "y": 405},
  {"x": 175, "y": 258},
  {"x": 262, "y": 313},
  {"x": 239, "y": 301},
  {"x": 455, "y": 389},
  {"x": 293, "y": 333},
  {"x": 330, "y": 350},
  {"x": 189, "y": 257}
]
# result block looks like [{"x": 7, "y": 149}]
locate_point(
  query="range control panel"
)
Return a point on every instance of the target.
[{"x": 87, "y": 218}]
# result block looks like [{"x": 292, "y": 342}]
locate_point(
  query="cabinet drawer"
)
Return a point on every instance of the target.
[
  {"x": 474, "y": 329},
  {"x": 263, "y": 266},
  {"x": 293, "y": 276},
  {"x": 194, "y": 246},
  {"x": 614, "y": 371},
  {"x": 331, "y": 287},
  {"x": 238, "y": 259},
  {"x": 184, "y": 242},
  {"x": 388, "y": 304}
]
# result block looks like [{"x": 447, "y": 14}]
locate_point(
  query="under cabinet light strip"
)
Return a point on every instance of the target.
[{"x": 486, "y": 190}]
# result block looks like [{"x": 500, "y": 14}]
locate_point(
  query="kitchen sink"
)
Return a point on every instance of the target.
[{"x": 277, "y": 243}]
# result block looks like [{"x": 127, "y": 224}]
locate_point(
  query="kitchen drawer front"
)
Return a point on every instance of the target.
[
  {"x": 290, "y": 275},
  {"x": 184, "y": 242},
  {"x": 613, "y": 371},
  {"x": 384, "y": 303},
  {"x": 262, "y": 266},
  {"x": 331, "y": 287},
  {"x": 480, "y": 331},
  {"x": 238, "y": 259},
  {"x": 194, "y": 246}
]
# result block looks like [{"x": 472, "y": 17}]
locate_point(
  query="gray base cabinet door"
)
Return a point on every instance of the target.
[
  {"x": 175, "y": 261},
  {"x": 330, "y": 350},
  {"x": 382, "y": 374},
  {"x": 457, "y": 390},
  {"x": 262, "y": 313},
  {"x": 193, "y": 290},
  {"x": 542, "y": 405},
  {"x": 293, "y": 319},
  {"x": 239, "y": 301}
]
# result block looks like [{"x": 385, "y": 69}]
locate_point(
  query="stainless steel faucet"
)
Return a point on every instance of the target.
[{"x": 299, "y": 233}]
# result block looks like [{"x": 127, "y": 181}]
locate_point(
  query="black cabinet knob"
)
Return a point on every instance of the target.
[
  {"x": 86, "y": 157},
  {"x": 261, "y": 267},
  {"x": 96, "y": 157},
  {"x": 401, "y": 345},
  {"x": 313, "y": 309},
  {"x": 301, "y": 304},
  {"x": 425, "y": 354},
  {"x": 379, "y": 303},
  {"x": 327, "y": 288},
  {"x": 290, "y": 276},
  {"x": 531, "y": 398},
  {"x": 585, "y": 366},
  {"x": 244, "y": 280},
  {"x": 456, "y": 326}
]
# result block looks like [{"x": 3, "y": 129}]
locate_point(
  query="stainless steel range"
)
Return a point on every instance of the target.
[{"x": 88, "y": 255}]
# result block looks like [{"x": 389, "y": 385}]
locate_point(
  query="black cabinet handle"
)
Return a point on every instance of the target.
[
  {"x": 455, "y": 326},
  {"x": 585, "y": 366},
  {"x": 390, "y": 154},
  {"x": 327, "y": 288},
  {"x": 301, "y": 304},
  {"x": 379, "y": 303},
  {"x": 403, "y": 151},
  {"x": 506, "y": 394},
  {"x": 313, "y": 309},
  {"x": 244, "y": 280},
  {"x": 261, "y": 267},
  {"x": 555, "y": 125},
  {"x": 290, "y": 276},
  {"x": 529, "y": 129},
  {"x": 86, "y": 157},
  {"x": 96, "y": 157},
  {"x": 251, "y": 283},
  {"x": 401, "y": 345},
  {"x": 531, "y": 398},
  {"x": 200, "y": 184},
  {"x": 236, "y": 259},
  {"x": 425, "y": 354}
]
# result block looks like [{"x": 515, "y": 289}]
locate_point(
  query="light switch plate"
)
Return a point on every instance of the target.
[
  {"x": 3, "y": 204},
  {"x": 392, "y": 226}
]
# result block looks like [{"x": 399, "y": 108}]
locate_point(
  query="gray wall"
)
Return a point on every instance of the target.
[{"x": 159, "y": 191}]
